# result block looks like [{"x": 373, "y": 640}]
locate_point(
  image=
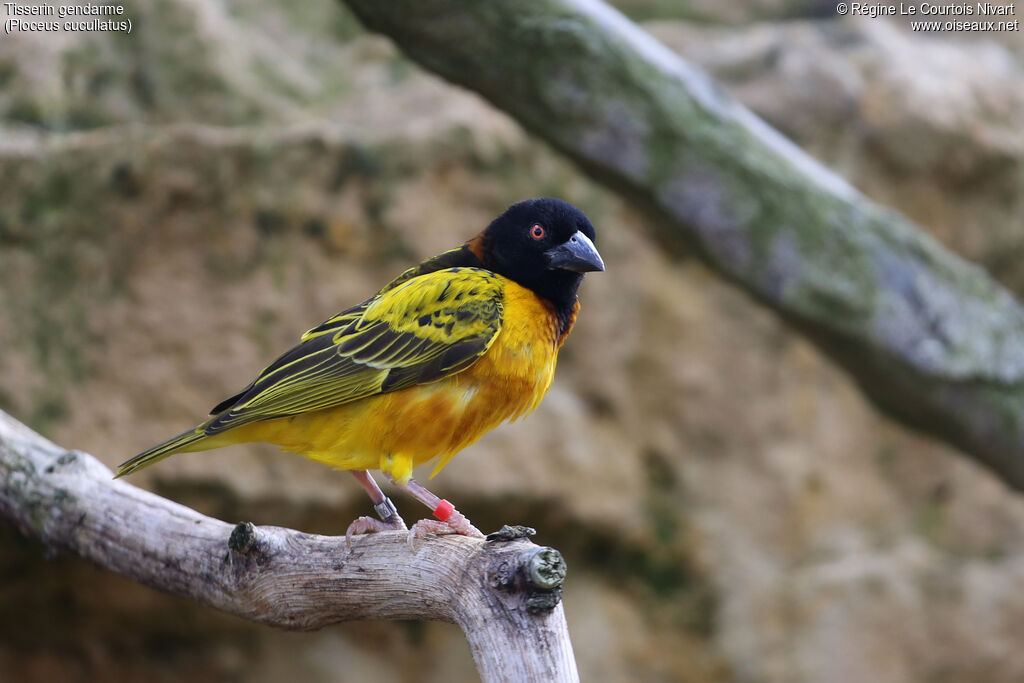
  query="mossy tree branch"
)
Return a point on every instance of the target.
[
  {"x": 503, "y": 593},
  {"x": 930, "y": 338}
]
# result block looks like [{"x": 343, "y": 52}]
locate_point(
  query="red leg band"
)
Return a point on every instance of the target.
[{"x": 444, "y": 510}]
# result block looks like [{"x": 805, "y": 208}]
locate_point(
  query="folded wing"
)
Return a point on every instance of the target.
[{"x": 418, "y": 331}]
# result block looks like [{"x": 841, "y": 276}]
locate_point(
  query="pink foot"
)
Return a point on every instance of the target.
[
  {"x": 371, "y": 525},
  {"x": 456, "y": 524}
]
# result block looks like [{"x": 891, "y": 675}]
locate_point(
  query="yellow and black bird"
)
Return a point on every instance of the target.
[{"x": 438, "y": 357}]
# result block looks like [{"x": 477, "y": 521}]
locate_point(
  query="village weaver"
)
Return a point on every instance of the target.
[{"x": 441, "y": 355}]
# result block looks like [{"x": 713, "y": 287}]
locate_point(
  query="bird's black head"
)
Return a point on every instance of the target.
[{"x": 545, "y": 245}]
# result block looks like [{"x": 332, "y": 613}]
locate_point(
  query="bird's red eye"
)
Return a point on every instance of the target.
[{"x": 537, "y": 232}]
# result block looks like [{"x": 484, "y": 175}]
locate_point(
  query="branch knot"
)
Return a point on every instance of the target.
[{"x": 243, "y": 539}]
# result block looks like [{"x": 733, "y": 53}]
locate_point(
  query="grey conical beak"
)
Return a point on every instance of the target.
[{"x": 577, "y": 254}]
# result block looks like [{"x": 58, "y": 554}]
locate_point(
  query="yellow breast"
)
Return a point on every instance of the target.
[{"x": 397, "y": 431}]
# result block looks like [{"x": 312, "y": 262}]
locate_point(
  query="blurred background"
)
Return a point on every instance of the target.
[{"x": 177, "y": 205}]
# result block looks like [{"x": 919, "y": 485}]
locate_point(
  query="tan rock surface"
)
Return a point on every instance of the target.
[{"x": 730, "y": 506}]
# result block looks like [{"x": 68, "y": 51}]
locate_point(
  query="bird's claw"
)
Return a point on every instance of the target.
[
  {"x": 371, "y": 525},
  {"x": 457, "y": 524}
]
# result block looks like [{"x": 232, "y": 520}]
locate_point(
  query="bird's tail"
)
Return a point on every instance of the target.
[{"x": 194, "y": 439}]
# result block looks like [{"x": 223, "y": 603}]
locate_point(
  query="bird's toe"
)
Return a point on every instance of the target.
[
  {"x": 457, "y": 523},
  {"x": 371, "y": 525}
]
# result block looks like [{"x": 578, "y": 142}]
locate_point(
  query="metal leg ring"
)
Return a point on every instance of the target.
[{"x": 386, "y": 510}]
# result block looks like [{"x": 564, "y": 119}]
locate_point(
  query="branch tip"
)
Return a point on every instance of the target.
[{"x": 545, "y": 568}]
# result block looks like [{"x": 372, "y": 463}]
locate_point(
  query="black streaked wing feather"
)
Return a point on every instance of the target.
[
  {"x": 419, "y": 331},
  {"x": 462, "y": 257}
]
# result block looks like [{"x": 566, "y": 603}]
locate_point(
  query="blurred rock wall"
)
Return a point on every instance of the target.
[{"x": 179, "y": 204}]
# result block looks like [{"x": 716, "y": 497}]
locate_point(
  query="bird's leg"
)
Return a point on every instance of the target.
[
  {"x": 449, "y": 520},
  {"x": 389, "y": 517}
]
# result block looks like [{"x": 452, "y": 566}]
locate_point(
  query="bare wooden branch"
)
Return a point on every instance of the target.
[
  {"x": 503, "y": 593},
  {"x": 931, "y": 339}
]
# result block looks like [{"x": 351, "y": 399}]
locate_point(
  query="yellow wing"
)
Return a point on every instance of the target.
[{"x": 414, "y": 332}]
